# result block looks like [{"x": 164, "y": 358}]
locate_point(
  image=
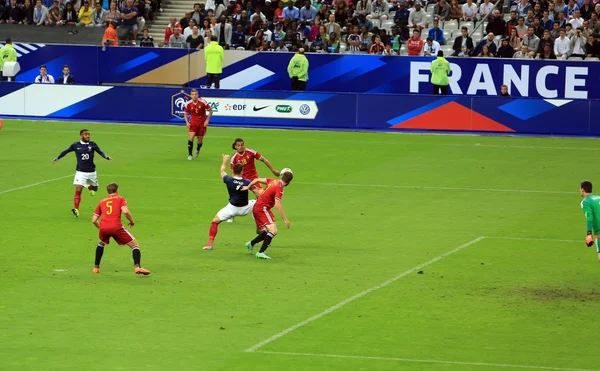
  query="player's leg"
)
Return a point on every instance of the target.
[
  {"x": 103, "y": 240},
  {"x": 214, "y": 229},
  {"x": 217, "y": 80},
  {"x": 191, "y": 135},
  {"x": 261, "y": 221},
  {"x": 137, "y": 257},
  {"x": 271, "y": 230},
  {"x": 79, "y": 181},
  {"x": 92, "y": 183},
  {"x": 200, "y": 134},
  {"x": 598, "y": 248}
]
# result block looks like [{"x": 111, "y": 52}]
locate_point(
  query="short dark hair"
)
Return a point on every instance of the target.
[
  {"x": 287, "y": 177},
  {"x": 464, "y": 28},
  {"x": 8, "y": 40},
  {"x": 440, "y": 53},
  {"x": 43, "y": 66},
  {"x": 112, "y": 188},
  {"x": 530, "y": 28},
  {"x": 238, "y": 168},
  {"x": 236, "y": 141},
  {"x": 66, "y": 66},
  {"x": 82, "y": 131},
  {"x": 193, "y": 91},
  {"x": 213, "y": 38},
  {"x": 586, "y": 185}
]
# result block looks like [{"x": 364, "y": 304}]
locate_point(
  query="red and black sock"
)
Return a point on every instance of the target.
[
  {"x": 212, "y": 233},
  {"x": 137, "y": 256},
  {"x": 268, "y": 238},
  {"x": 77, "y": 199},
  {"x": 261, "y": 236},
  {"x": 99, "y": 252},
  {"x": 190, "y": 147},
  {"x": 198, "y": 147}
]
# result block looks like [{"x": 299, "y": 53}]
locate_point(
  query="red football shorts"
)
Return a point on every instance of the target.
[
  {"x": 262, "y": 216},
  {"x": 198, "y": 129},
  {"x": 257, "y": 185},
  {"x": 120, "y": 235}
]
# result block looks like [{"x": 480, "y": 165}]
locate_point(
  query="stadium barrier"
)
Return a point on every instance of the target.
[
  {"x": 305, "y": 110},
  {"x": 342, "y": 73}
]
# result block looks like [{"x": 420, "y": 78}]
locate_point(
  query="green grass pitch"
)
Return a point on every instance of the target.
[{"x": 364, "y": 209}]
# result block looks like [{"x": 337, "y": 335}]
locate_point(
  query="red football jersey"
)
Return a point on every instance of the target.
[
  {"x": 273, "y": 192},
  {"x": 247, "y": 159},
  {"x": 109, "y": 211},
  {"x": 197, "y": 111}
]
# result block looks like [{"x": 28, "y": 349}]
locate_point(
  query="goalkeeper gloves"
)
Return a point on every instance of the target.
[{"x": 589, "y": 240}]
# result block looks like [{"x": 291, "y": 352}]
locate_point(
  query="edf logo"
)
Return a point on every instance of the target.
[{"x": 235, "y": 107}]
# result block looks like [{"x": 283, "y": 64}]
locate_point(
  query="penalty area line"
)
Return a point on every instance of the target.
[
  {"x": 408, "y": 360},
  {"x": 34, "y": 184},
  {"x": 255, "y": 347}
]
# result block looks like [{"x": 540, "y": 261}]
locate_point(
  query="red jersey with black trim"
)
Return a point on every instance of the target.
[
  {"x": 197, "y": 111},
  {"x": 247, "y": 159},
  {"x": 273, "y": 192},
  {"x": 109, "y": 211}
]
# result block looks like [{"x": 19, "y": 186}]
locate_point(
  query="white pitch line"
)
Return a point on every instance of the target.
[
  {"x": 360, "y": 295},
  {"x": 533, "y": 239},
  {"x": 482, "y": 364},
  {"x": 358, "y": 140},
  {"x": 366, "y": 185},
  {"x": 34, "y": 184}
]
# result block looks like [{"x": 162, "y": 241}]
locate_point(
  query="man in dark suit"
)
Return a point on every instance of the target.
[
  {"x": 463, "y": 45},
  {"x": 66, "y": 78}
]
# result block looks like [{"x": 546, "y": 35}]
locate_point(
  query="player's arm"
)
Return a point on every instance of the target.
[
  {"x": 128, "y": 215},
  {"x": 95, "y": 221},
  {"x": 224, "y": 165},
  {"x": 102, "y": 153},
  {"x": 279, "y": 208},
  {"x": 209, "y": 116},
  {"x": 254, "y": 182},
  {"x": 589, "y": 218},
  {"x": 268, "y": 164},
  {"x": 63, "y": 153},
  {"x": 186, "y": 117}
]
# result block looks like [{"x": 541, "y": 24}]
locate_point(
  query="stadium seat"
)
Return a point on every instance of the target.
[
  {"x": 392, "y": 14},
  {"x": 468, "y": 25},
  {"x": 591, "y": 59},
  {"x": 507, "y": 17},
  {"x": 498, "y": 39},
  {"x": 450, "y": 26},
  {"x": 429, "y": 19},
  {"x": 575, "y": 58},
  {"x": 376, "y": 23},
  {"x": 240, "y": 48},
  {"x": 430, "y": 9},
  {"x": 447, "y": 35},
  {"x": 447, "y": 49},
  {"x": 387, "y": 25},
  {"x": 403, "y": 50},
  {"x": 343, "y": 48}
]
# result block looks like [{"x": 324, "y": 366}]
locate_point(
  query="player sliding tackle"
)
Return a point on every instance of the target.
[
  {"x": 238, "y": 199},
  {"x": 109, "y": 212},
  {"x": 265, "y": 220},
  {"x": 591, "y": 207},
  {"x": 85, "y": 172}
]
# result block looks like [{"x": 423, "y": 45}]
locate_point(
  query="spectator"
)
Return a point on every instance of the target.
[
  {"x": 298, "y": 71},
  {"x": 85, "y": 14},
  {"x": 113, "y": 14},
  {"x": 522, "y": 8},
  {"x": 402, "y": 14},
  {"x": 354, "y": 40},
  {"x": 281, "y": 47},
  {"x": 110, "y": 34},
  {"x": 308, "y": 13},
  {"x": 384, "y": 37},
  {"x": 54, "y": 15},
  {"x": 238, "y": 39},
  {"x": 66, "y": 78},
  {"x": 595, "y": 23},
  {"x": 592, "y": 47},
  {"x": 7, "y": 54},
  {"x": 194, "y": 40},
  {"x": 576, "y": 21},
  {"x": 485, "y": 52},
  {"x": 552, "y": 13},
  {"x": 485, "y": 9},
  {"x": 197, "y": 14},
  {"x": 279, "y": 11},
  {"x": 496, "y": 24},
  {"x": 396, "y": 40},
  {"x": 341, "y": 12},
  {"x": 546, "y": 22},
  {"x": 70, "y": 15},
  {"x": 587, "y": 31},
  {"x": 40, "y": 14},
  {"x": 512, "y": 22},
  {"x": 547, "y": 52},
  {"x": 255, "y": 43},
  {"x": 319, "y": 42},
  {"x": 141, "y": 21},
  {"x": 431, "y": 47},
  {"x": 569, "y": 30},
  {"x": 366, "y": 39},
  {"x": 456, "y": 12},
  {"x": 210, "y": 5},
  {"x": 377, "y": 47},
  {"x": 417, "y": 17},
  {"x": 332, "y": 26},
  {"x": 185, "y": 21},
  {"x": 440, "y": 69},
  {"x": 291, "y": 12},
  {"x": 43, "y": 77},
  {"x": 463, "y": 44},
  {"x": 578, "y": 44},
  {"x": 521, "y": 28},
  {"x": 177, "y": 40},
  {"x": 441, "y": 10},
  {"x": 562, "y": 45},
  {"x": 586, "y": 9},
  {"x": 333, "y": 45},
  {"x": 529, "y": 19},
  {"x": 146, "y": 41},
  {"x": 379, "y": 10},
  {"x": 531, "y": 40},
  {"x": 98, "y": 15},
  {"x": 537, "y": 10},
  {"x": 571, "y": 9},
  {"x": 436, "y": 33},
  {"x": 324, "y": 12},
  {"x": 469, "y": 11},
  {"x": 224, "y": 31},
  {"x": 555, "y": 33},
  {"x": 170, "y": 30},
  {"x": 505, "y": 50},
  {"x": 244, "y": 22},
  {"x": 504, "y": 91},
  {"x": 562, "y": 22},
  {"x": 268, "y": 34},
  {"x": 524, "y": 53},
  {"x": 188, "y": 30},
  {"x": 364, "y": 7},
  {"x": 129, "y": 16},
  {"x": 279, "y": 33},
  {"x": 27, "y": 13},
  {"x": 415, "y": 44},
  {"x": 489, "y": 42},
  {"x": 543, "y": 41},
  {"x": 560, "y": 6},
  {"x": 514, "y": 40},
  {"x": 389, "y": 51},
  {"x": 220, "y": 8}
]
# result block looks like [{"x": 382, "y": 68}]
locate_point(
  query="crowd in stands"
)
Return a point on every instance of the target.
[{"x": 543, "y": 29}]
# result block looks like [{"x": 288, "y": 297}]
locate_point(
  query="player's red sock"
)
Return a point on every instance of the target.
[
  {"x": 77, "y": 199},
  {"x": 212, "y": 233}
]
